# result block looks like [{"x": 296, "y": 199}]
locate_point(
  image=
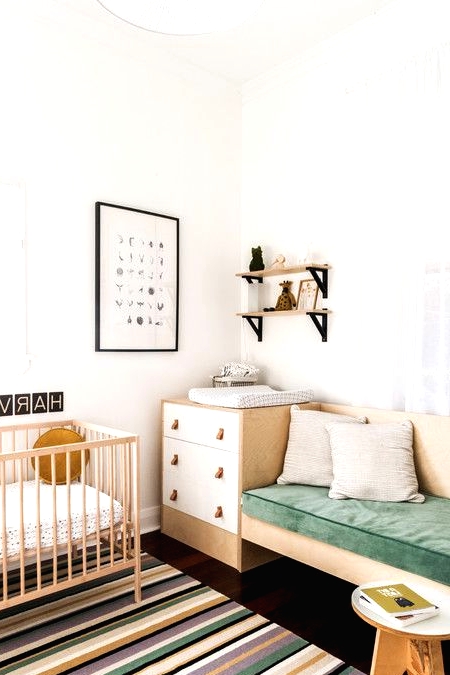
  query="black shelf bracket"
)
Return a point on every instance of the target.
[
  {"x": 250, "y": 279},
  {"x": 257, "y": 327},
  {"x": 319, "y": 317},
  {"x": 320, "y": 276},
  {"x": 320, "y": 321}
]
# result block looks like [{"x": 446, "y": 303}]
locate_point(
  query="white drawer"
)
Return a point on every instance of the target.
[
  {"x": 204, "y": 426},
  {"x": 202, "y": 482}
]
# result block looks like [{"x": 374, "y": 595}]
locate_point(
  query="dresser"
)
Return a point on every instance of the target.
[{"x": 209, "y": 455}]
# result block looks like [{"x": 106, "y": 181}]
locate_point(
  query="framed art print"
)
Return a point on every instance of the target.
[
  {"x": 307, "y": 294},
  {"x": 136, "y": 279}
]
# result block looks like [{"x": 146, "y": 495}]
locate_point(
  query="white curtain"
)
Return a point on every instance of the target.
[
  {"x": 397, "y": 124},
  {"x": 423, "y": 377},
  {"x": 425, "y": 386},
  {"x": 395, "y": 128}
]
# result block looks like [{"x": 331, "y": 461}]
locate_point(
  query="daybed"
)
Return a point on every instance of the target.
[
  {"x": 69, "y": 507},
  {"x": 359, "y": 539}
]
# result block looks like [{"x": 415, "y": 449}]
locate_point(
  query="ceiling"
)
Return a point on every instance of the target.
[{"x": 280, "y": 31}]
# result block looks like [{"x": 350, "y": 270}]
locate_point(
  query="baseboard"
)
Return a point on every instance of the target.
[{"x": 150, "y": 519}]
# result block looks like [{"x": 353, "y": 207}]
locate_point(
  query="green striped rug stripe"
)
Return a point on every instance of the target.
[
  {"x": 180, "y": 626},
  {"x": 72, "y": 602}
]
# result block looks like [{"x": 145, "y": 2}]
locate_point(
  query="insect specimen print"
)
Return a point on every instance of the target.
[{"x": 136, "y": 280}]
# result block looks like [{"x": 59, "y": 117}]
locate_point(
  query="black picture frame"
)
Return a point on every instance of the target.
[{"x": 136, "y": 280}]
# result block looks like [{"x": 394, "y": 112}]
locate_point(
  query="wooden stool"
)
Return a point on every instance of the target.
[{"x": 415, "y": 649}]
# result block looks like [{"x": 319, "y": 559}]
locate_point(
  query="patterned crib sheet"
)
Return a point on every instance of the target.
[
  {"x": 12, "y": 520},
  {"x": 253, "y": 396}
]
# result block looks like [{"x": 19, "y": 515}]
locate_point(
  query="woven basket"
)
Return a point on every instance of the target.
[{"x": 230, "y": 381}]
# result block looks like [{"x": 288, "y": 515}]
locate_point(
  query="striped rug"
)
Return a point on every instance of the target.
[{"x": 181, "y": 626}]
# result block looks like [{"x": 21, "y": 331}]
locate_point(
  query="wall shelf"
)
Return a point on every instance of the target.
[{"x": 319, "y": 317}]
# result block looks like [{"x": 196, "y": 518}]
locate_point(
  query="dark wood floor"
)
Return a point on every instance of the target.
[{"x": 307, "y": 602}]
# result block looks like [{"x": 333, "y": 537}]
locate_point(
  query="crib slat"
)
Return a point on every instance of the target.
[
  {"x": 21, "y": 532},
  {"x": 38, "y": 526},
  {"x": 84, "y": 536},
  {"x": 112, "y": 492},
  {"x": 126, "y": 488},
  {"x": 70, "y": 551},
  {"x": 3, "y": 526},
  {"x": 54, "y": 521},
  {"x": 134, "y": 465}
]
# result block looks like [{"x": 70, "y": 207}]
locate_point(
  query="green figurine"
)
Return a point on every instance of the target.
[{"x": 256, "y": 263}]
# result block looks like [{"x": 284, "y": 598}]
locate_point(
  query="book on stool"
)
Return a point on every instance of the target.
[{"x": 399, "y": 602}]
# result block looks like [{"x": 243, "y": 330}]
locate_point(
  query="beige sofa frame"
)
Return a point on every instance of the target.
[{"x": 432, "y": 459}]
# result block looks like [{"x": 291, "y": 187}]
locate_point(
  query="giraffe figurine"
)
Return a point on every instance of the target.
[{"x": 287, "y": 299}]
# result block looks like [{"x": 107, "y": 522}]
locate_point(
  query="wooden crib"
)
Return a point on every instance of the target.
[{"x": 69, "y": 512}]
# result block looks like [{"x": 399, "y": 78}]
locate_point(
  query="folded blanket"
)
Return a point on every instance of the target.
[{"x": 255, "y": 396}]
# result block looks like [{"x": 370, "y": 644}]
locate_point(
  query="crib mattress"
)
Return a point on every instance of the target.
[
  {"x": 253, "y": 396},
  {"x": 12, "y": 519}
]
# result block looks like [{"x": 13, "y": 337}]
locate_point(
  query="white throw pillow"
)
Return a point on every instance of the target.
[
  {"x": 374, "y": 462},
  {"x": 308, "y": 453}
]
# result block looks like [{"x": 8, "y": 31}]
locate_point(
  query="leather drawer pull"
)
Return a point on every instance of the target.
[
  {"x": 174, "y": 460},
  {"x": 219, "y": 434},
  {"x": 173, "y": 496},
  {"x": 174, "y": 424},
  {"x": 219, "y": 512},
  {"x": 219, "y": 472}
]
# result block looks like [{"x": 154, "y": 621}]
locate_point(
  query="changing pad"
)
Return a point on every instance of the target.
[{"x": 254, "y": 396}]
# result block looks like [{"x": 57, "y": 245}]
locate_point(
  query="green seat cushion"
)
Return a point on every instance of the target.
[{"x": 412, "y": 537}]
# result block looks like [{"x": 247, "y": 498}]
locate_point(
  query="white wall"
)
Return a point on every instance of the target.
[
  {"x": 328, "y": 160},
  {"x": 88, "y": 118},
  {"x": 91, "y": 117}
]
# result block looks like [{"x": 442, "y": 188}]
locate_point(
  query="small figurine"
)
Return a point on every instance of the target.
[
  {"x": 287, "y": 299},
  {"x": 256, "y": 263},
  {"x": 279, "y": 262}
]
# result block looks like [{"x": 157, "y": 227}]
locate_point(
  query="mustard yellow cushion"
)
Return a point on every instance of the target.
[{"x": 59, "y": 436}]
